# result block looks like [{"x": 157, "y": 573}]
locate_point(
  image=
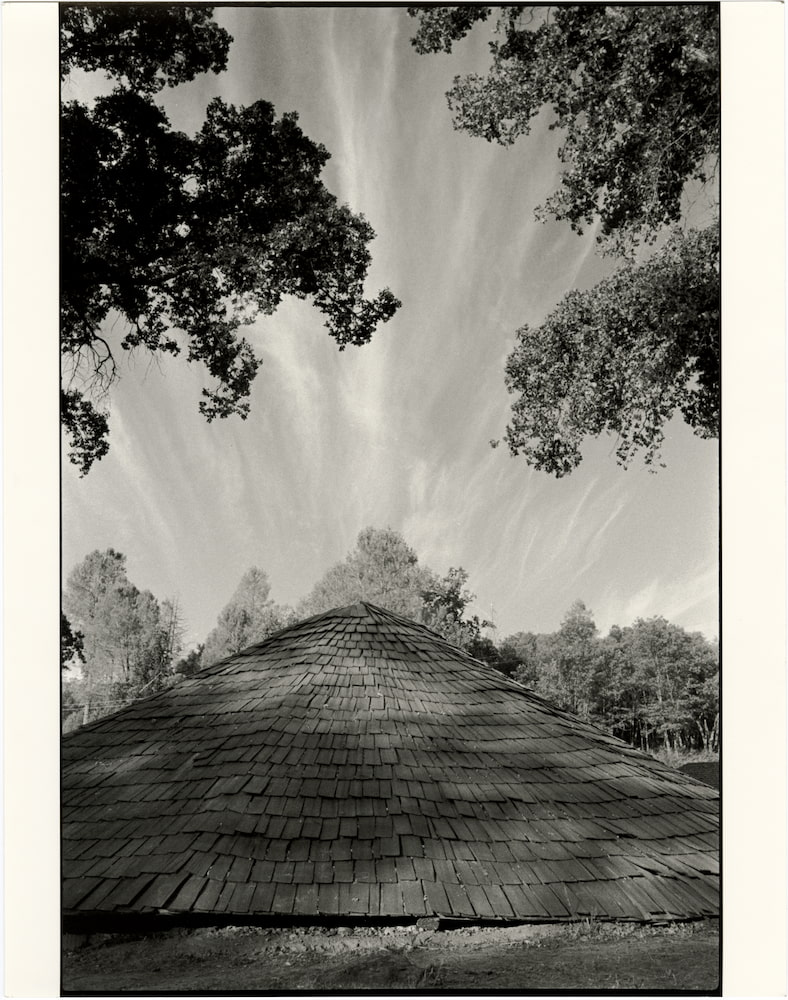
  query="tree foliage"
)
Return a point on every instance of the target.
[
  {"x": 622, "y": 357},
  {"x": 674, "y": 680},
  {"x": 87, "y": 426},
  {"x": 633, "y": 89},
  {"x": 651, "y": 683},
  {"x": 383, "y": 569},
  {"x": 249, "y": 616},
  {"x": 192, "y": 662},
  {"x": 71, "y": 708},
  {"x": 187, "y": 239},
  {"x": 142, "y": 46},
  {"x": 445, "y": 606},
  {"x": 565, "y": 675},
  {"x": 71, "y": 644},
  {"x": 502, "y": 658},
  {"x": 129, "y": 639}
]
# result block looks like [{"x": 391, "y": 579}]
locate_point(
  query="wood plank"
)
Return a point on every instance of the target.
[
  {"x": 160, "y": 890},
  {"x": 328, "y": 899},
  {"x": 413, "y": 898},
  {"x": 391, "y": 900},
  {"x": 498, "y": 901},
  {"x": 306, "y": 897},
  {"x": 284, "y": 897},
  {"x": 187, "y": 894},
  {"x": 241, "y": 900},
  {"x": 459, "y": 902},
  {"x": 209, "y": 897},
  {"x": 127, "y": 890},
  {"x": 480, "y": 901},
  {"x": 437, "y": 900}
]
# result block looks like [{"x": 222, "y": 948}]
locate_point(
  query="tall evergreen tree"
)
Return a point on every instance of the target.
[
  {"x": 382, "y": 569},
  {"x": 385, "y": 570},
  {"x": 249, "y": 616}
]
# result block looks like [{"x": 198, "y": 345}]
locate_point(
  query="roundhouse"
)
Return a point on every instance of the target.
[{"x": 356, "y": 767}]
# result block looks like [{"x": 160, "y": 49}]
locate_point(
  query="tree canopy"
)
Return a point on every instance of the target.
[
  {"x": 634, "y": 92},
  {"x": 192, "y": 662},
  {"x": 633, "y": 89},
  {"x": 71, "y": 644},
  {"x": 622, "y": 357},
  {"x": 187, "y": 239},
  {"x": 567, "y": 670},
  {"x": 651, "y": 683},
  {"x": 129, "y": 639},
  {"x": 144, "y": 47},
  {"x": 382, "y": 569},
  {"x": 444, "y": 608},
  {"x": 249, "y": 616},
  {"x": 658, "y": 685},
  {"x": 385, "y": 570}
]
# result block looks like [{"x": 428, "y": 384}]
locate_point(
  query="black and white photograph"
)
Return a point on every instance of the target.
[
  {"x": 390, "y": 530},
  {"x": 390, "y": 498}
]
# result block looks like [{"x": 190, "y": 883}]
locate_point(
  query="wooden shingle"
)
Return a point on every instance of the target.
[{"x": 358, "y": 765}]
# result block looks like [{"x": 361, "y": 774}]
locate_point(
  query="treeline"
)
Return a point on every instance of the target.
[
  {"x": 128, "y": 645},
  {"x": 651, "y": 683}
]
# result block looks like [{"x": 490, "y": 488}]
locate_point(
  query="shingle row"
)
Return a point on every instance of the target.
[{"x": 358, "y": 765}]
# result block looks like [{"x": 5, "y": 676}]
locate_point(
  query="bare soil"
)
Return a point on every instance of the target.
[{"x": 578, "y": 957}]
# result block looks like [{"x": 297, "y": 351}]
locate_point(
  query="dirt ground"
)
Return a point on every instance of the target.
[{"x": 578, "y": 957}]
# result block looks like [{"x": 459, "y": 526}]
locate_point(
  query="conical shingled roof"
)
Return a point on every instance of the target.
[{"x": 356, "y": 765}]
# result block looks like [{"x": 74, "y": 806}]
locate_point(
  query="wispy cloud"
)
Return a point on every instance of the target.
[
  {"x": 593, "y": 547},
  {"x": 689, "y": 602},
  {"x": 395, "y": 433}
]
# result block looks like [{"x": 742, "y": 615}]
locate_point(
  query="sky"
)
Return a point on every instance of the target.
[{"x": 396, "y": 433}]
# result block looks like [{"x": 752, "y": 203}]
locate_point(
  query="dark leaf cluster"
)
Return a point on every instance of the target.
[
  {"x": 622, "y": 358},
  {"x": 71, "y": 643},
  {"x": 633, "y": 91},
  {"x": 632, "y": 88},
  {"x": 145, "y": 46},
  {"x": 188, "y": 239}
]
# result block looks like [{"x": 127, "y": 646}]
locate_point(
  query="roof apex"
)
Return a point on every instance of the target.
[{"x": 360, "y": 609}]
